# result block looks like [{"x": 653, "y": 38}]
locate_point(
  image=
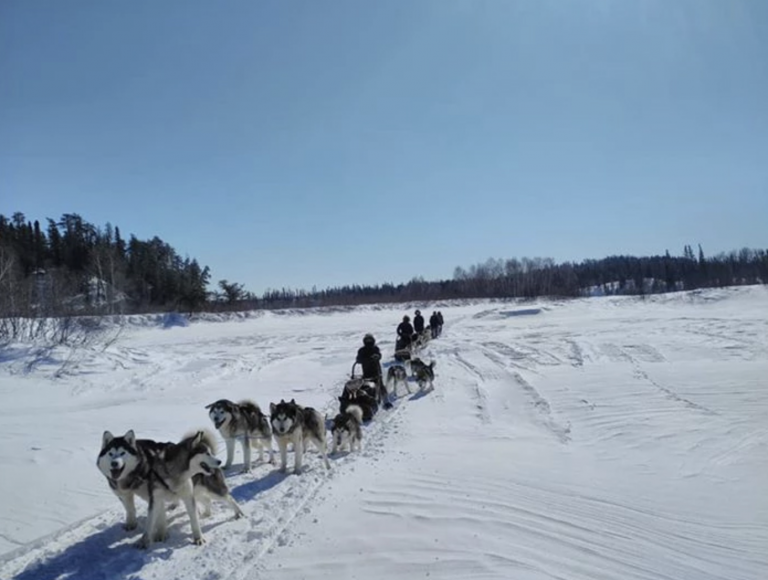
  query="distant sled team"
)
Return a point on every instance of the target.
[{"x": 164, "y": 473}]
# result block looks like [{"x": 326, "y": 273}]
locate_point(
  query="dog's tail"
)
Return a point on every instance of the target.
[
  {"x": 206, "y": 438},
  {"x": 356, "y": 411},
  {"x": 251, "y": 406}
]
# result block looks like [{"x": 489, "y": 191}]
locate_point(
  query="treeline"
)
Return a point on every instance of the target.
[
  {"x": 529, "y": 278},
  {"x": 71, "y": 265},
  {"x": 534, "y": 277}
]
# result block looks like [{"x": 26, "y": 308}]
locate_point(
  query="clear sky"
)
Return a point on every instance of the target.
[{"x": 330, "y": 142}]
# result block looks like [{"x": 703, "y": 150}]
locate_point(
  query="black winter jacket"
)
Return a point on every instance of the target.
[
  {"x": 405, "y": 331},
  {"x": 418, "y": 323},
  {"x": 369, "y": 357}
]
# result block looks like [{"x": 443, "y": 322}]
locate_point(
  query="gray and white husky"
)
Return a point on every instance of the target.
[
  {"x": 164, "y": 472},
  {"x": 397, "y": 374},
  {"x": 346, "y": 430},
  {"x": 292, "y": 423},
  {"x": 424, "y": 373},
  {"x": 244, "y": 422}
]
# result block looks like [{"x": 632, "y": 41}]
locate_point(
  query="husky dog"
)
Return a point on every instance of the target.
[
  {"x": 397, "y": 374},
  {"x": 292, "y": 423},
  {"x": 423, "y": 372},
  {"x": 159, "y": 472},
  {"x": 346, "y": 429},
  {"x": 245, "y": 422}
]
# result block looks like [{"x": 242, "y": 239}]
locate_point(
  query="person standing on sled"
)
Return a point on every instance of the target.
[
  {"x": 434, "y": 324},
  {"x": 418, "y": 323},
  {"x": 404, "y": 333},
  {"x": 369, "y": 358}
]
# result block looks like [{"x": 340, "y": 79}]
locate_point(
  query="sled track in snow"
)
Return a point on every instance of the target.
[{"x": 375, "y": 427}]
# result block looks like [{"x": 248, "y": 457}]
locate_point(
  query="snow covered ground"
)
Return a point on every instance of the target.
[{"x": 604, "y": 438}]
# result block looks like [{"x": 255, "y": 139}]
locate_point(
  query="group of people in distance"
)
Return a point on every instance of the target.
[
  {"x": 407, "y": 333},
  {"x": 369, "y": 355}
]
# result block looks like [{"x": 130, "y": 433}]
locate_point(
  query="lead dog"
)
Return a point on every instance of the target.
[{"x": 160, "y": 472}]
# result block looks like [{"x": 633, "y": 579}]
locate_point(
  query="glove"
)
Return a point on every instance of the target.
[{"x": 375, "y": 357}]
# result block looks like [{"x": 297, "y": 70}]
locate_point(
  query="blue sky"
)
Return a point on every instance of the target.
[{"x": 311, "y": 143}]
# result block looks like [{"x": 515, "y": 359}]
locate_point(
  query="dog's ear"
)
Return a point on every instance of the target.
[
  {"x": 106, "y": 438},
  {"x": 130, "y": 438},
  {"x": 272, "y": 407},
  {"x": 293, "y": 401},
  {"x": 198, "y": 439},
  {"x": 209, "y": 406}
]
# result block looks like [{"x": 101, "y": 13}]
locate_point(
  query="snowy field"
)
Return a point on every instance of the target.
[{"x": 604, "y": 438}]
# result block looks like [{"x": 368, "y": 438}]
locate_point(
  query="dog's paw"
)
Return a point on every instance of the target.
[
  {"x": 198, "y": 541},
  {"x": 245, "y": 470},
  {"x": 160, "y": 536},
  {"x": 143, "y": 543},
  {"x": 128, "y": 526}
]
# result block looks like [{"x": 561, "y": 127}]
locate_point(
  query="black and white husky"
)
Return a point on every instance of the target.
[
  {"x": 424, "y": 373},
  {"x": 347, "y": 429},
  {"x": 397, "y": 374},
  {"x": 164, "y": 472},
  {"x": 292, "y": 423},
  {"x": 244, "y": 422}
]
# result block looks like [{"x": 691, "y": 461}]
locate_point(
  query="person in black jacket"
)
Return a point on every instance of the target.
[
  {"x": 369, "y": 358},
  {"x": 418, "y": 322},
  {"x": 434, "y": 323},
  {"x": 439, "y": 323},
  {"x": 404, "y": 333}
]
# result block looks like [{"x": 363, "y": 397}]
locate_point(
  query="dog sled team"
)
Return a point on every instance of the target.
[
  {"x": 166, "y": 473},
  {"x": 413, "y": 337}
]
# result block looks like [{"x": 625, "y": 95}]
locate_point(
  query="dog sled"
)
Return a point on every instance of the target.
[
  {"x": 360, "y": 391},
  {"x": 355, "y": 383}
]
